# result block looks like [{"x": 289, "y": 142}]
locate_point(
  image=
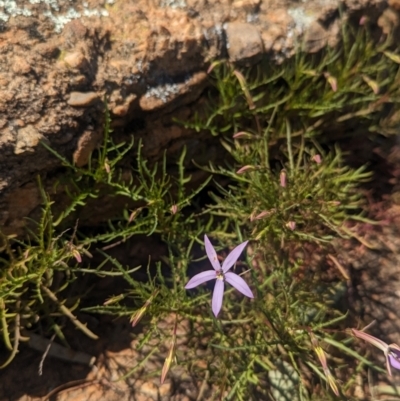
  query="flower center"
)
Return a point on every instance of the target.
[{"x": 220, "y": 275}]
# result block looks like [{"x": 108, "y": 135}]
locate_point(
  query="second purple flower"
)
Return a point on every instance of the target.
[{"x": 221, "y": 274}]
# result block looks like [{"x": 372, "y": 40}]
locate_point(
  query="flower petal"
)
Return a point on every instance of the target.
[
  {"x": 212, "y": 255},
  {"x": 371, "y": 339},
  {"x": 236, "y": 281},
  {"x": 394, "y": 355},
  {"x": 395, "y": 362},
  {"x": 233, "y": 257},
  {"x": 218, "y": 296},
  {"x": 200, "y": 279}
]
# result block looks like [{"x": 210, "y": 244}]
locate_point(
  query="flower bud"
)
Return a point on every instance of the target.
[
  {"x": 170, "y": 357},
  {"x": 282, "y": 178},
  {"x": 135, "y": 318},
  {"x": 291, "y": 225},
  {"x": 243, "y": 135},
  {"x": 332, "y": 81},
  {"x": 245, "y": 168},
  {"x": 317, "y": 159}
]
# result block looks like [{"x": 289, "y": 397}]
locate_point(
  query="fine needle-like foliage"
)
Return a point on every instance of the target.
[{"x": 284, "y": 191}]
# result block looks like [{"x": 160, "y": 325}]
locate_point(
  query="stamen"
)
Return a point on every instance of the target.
[{"x": 220, "y": 275}]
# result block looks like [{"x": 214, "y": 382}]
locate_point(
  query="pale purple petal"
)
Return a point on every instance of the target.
[
  {"x": 200, "y": 279},
  {"x": 233, "y": 257},
  {"x": 395, "y": 362},
  {"x": 394, "y": 357},
  {"x": 212, "y": 255},
  {"x": 236, "y": 281},
  {"x": 218, "y": 296}
]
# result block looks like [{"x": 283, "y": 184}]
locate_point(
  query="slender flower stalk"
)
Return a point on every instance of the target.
[
  {"x": 391, "y": 351},
  {"x": 221, "y": 274}
]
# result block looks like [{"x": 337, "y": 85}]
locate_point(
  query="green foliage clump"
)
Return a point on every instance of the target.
[{"x": 348, "y": 88}]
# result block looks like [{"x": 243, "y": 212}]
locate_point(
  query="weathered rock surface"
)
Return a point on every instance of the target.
[{"x": 58, "y": 59}]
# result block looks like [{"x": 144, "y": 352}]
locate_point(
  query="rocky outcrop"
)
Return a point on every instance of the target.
[{"x": 58, "y": 59}]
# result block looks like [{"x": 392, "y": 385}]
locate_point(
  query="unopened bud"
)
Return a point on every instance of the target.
[
  {"x": 262, "y": 214},
  {"x": 212, "y": 66},
  {"x": 245, "y": 168},
  {"x": 134, "y": 214},
  {"x": 282, "y": 178},
  {"x": 324, "y": 363},
  {"x": 245, "y": 89},
  {"x": 291, "y": 225},
  {"x": 174, "y": 208},
  {"x": 114, "y": 300},
  {"x": 371, "y": 83},
  {"x": 243, "y": 135},
  {"x": 77, "y": 255},
  {"x": 317, "y": 159},
  {"x": 332, "y": 81},
  {"x": 135, "y": 318},
  {"x": 170, "y": 357}
]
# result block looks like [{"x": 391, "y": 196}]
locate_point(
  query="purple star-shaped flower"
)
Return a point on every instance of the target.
[
  {"x": 391, "y": 351},
  {"x": 221, "y": 274}
]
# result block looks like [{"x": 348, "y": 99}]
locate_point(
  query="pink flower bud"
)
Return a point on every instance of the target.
[
  {"x": 173, "y": 209},
  {"x": 245, "y": 168},
  {"x": 134, "y": 214},
  {"x": 317, "y": 159},
  {"x": 77, "y": 255},
  {"x": 291, "y": 225},
  {"x": 331, "y": 80},
  {"x": 282, "y": 178},
  {"x": 262, "y": 214},
  {"x": 245, "y": 89},
  {"x": 243, "y": 135},
  {"x": 135, "y": 318},
  {"x": 170, "y": 357}
]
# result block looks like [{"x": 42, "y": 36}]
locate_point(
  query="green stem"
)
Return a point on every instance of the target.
[
  {"x": 289, "y": 145},
  {"x": 68, "y": 313}
]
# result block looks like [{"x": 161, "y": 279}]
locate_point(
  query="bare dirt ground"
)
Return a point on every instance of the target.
[{"x": 116, "y": 354}]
